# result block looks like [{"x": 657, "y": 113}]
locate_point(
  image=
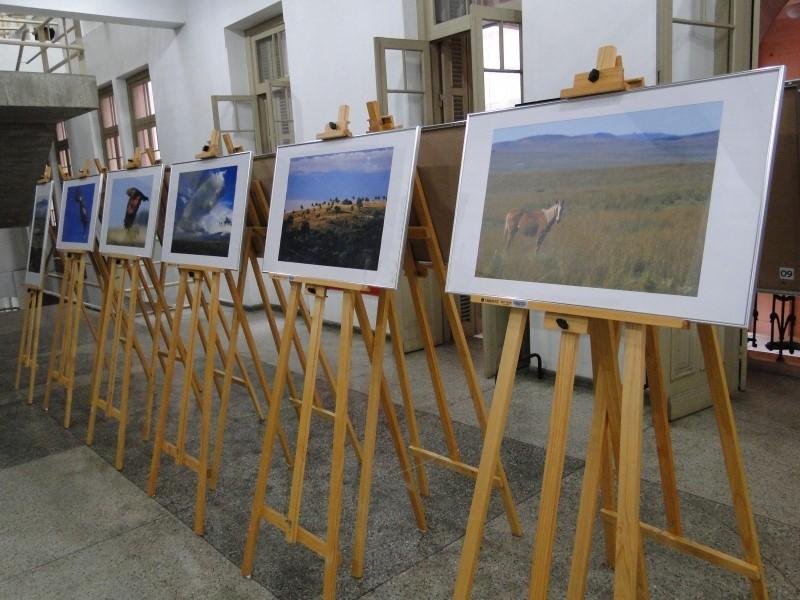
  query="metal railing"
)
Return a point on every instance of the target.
[{"x": 44, "y": 34}]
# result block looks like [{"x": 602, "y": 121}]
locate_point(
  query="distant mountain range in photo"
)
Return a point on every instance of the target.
[{"x": 552, "y": 152}]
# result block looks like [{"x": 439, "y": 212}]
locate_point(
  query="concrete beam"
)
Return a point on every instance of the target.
[
  {"x": 169, "y": 14},
  {"x": 30, "y": 106},
  {"x": 45, "y": 97}
]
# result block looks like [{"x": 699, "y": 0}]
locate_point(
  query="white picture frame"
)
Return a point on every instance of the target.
[
  {"x": 39, "y": 244},
  {"x": 210, "y": 185},
  {"x": 355, "y": 188},
  {"x": 736, "y": 205},
  {"x": 125, "y": 229},
  {"x": 77, "y": 222}
]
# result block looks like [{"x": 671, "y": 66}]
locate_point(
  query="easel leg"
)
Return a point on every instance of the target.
[
  {"x": 606, "y": 381},
  {"x": 117, "y": 284},
  {"x": 628, "y": 550},
  {"x": 73, "y": 347},
  {"x": 554, "y": 465},
  {"x": 195, "y": 332},
  {"x": 130, "y": 336},
  {"x": 205, "y": 429},
  {"x": 400, "y": 448},
  {"x": 490, "y": 454},
  {"x": 405, "y": 393},
  {"x": 163, "y": 410},
  {"x": 430, "y": 355},
  {"x": 376, "y": 350},
  {"x": 35, "y": 350},
  {"x": 281, "y": 372},
  {"x": 660, "y": 415},
  {"x": 157, "y": 284},
  {"x": 339, "y": 439},
  {"x": 100, "y": 354},
  {"x": 58, "y": 331},
  {"x": 304, "y": 425},
  {"x": 731, "y": 451},
  {"x": 27, "y": 325}
]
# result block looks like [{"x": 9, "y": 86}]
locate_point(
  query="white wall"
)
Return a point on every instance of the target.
[
  {"x": 331, "y": 57},
  {"x": 562, "y": 38}
]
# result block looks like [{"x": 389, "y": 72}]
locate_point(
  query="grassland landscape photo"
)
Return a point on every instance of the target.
[
  {"x": 78, "y": 213},
  {"x": 204, "y": 212},
  {"x": 129, "y": 211},
  {"x": 38, "y": 231},
  {"x": 335, "y": 209},
  {"x": 613, "y": 202}
]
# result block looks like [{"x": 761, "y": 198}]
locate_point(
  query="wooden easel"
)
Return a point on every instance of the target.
[
  {"x": 28, "y": 356},
  {"x": 64, "y": 345},
  {"x": 422, "y": 229},
  {"x": 289, "y": 523},
  {"x": 616, "y": 423},
  {"x": 121, "y": 267},
  {"x": 200, "y": 286},
  {"x": 374, "y": 342}
]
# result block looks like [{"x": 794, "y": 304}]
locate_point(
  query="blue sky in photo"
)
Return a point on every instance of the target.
[
  {"x": 675, "y": 120},
  {"x": 75, "y": 230},
  {"x": 119, "y": 197},
  {"x": 343, "y": 175}
]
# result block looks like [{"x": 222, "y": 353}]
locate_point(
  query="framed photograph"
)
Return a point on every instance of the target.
[
  {"x": 40, "y": 239},
  {"x": 206, "y": 210},
  {"x": 339, "y": 208},
  {"x": 80, "y": 202},
  {"x": 130, "y": 211},
  {"x": 649, "y": 201}
]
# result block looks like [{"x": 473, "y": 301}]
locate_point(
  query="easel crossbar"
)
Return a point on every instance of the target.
[{"x": 687, "y": 546}]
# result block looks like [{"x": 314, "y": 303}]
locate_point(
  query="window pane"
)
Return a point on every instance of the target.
[
  {"x": 246, "y": 139},
  {"x": 502, "y": 89},
  {"x": 491, "y": 45},
  {"x": 151, "y": 105},
  {"x": 406, "y": 109},
  {"x": 244, "y": 111},
  {"x": 106, "y": 112},
  {"x": 511, "y": 51},
  {"x": 698, "y": 51},
  {"x": 414, "y": 70},
  {"x": 713, "y": 11},
  {"x": 270, "y": 56},
  {"x": 153, "y": 139},
  {"x": 394, "y": 70},
  {"x": 139, "y": 93},
  {"x": 444, "y": 10},
  {"x": 282, "y": 115},
  {"x": 225, "y": 109}
]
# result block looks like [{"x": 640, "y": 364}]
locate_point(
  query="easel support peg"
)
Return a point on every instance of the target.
[
  {"x": 340, "y": 127},
  {"x": 47, "y": 176},
  {"x": 212, "y": 148}
]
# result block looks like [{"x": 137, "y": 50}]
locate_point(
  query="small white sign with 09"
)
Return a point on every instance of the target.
[{"x": 786, "y": 273}]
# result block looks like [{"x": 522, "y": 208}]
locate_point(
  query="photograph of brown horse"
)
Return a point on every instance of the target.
[
  {"x": 532, "y": 222},
  {"x": 638, "y": 187}
]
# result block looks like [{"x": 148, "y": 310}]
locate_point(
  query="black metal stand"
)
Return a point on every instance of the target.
[{"x": 783, "y": 324}]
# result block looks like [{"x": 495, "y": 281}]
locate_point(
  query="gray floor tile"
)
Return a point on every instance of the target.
[
  {"x": 62, "y": 503},
  {"x": 159, "y": 560},
  {"x": 26, "y": 434}
]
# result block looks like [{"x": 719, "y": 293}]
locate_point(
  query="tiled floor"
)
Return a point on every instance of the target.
[{"x": 71, "y": 526}]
